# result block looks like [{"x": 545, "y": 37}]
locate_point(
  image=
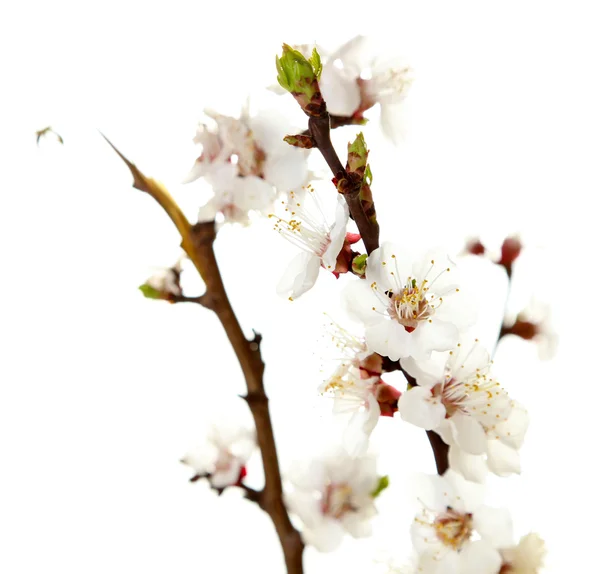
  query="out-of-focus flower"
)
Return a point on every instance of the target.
[
  {"x": 410, "y": 307},
  {"x": 164, "y": 284},
  {"x": 455, "y": 532},
  {"x": 509, "y": 252},
  {"x": 223, "y": 456},
  {"x": 534, "y": 323},
  {"x": 505, "y": 256},
  {"x": 333, "y": 495},
  {"x": 355, "y": 78},
  {"x": 246, "y": 162},
  {"x": 308, "y": 227}
]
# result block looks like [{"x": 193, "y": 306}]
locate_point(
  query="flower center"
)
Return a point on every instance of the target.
[
  {"x": 224, "y": 460},
  {"x": 409, "y": 307},
  {"x": 452, "y": 394},
  {"x": 453, "y": 528},
  {"x": 251, "y": 158},
  {"x": 337, "y": 500},
  {"x": 305, "y": 229}
]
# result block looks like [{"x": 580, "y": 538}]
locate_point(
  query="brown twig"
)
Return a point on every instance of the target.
[
  {"x": 320, "y": 130},
  {"x": 197, "y": 242}
]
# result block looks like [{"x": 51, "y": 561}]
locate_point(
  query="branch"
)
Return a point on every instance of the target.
[
  {"x": 197, "y": 242},
  {"x": 319, "y": 128},
  {"x": 440, "y": 451}
]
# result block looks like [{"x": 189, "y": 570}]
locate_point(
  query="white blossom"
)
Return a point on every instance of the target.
[
  {"x": 223, "y": 455},
  {"x": 455, "y": 533},
  {"x": 246, "y": 162},
  {"x": 355, "y": 78},
  {"x": 359, "y": 394},
  {"x": 354, "y": 395},
  {"x": 456, "y": 396},
  {"x": 320, "y": 239},
  {"x": 333, "y": 496},
  {"x": 409, "y": 307}
]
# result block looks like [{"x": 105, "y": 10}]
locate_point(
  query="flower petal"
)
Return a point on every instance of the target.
[
  {"x": 480, "y": 557},
  {"x": 356, "y": 525},
  {"x": 300, "y": 276},
  {"x": 252, "y": 192},
  {"x": 512, "y": 431},
  {"x": 503, "y": 460},
  {"x": 389, "y": 339},
  {"x": 340, "y": 91},
  {"x": 389, "y": 266},
  {"x": 471, "y": 466},
  {"x": 428, "y": 372},
  {"x": 325, "y": 536},
  {"x": 435, "y": 336},
  {"x": 337, "y": 234},
  {"x": 468, "y": 434},
  {"x": 393, "y": 121},
  {"x": 358, "y": 301},
  {"x": 419, "y": 407},
  {"x": 286, "y": 170},
  {"x": 494, "y": 525}
]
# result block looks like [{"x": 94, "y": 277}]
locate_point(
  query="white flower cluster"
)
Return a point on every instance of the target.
[
  {"x": 455, "y": 532},
  {"x": 333, "y": 495},
  {"x": 246, "y": 163},
  {"x": 223, "y": 455},
  {"x": 415, "y": 316}
]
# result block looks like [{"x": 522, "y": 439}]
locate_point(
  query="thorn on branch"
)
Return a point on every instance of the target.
[
  {"x": 256, "y": 341},
  {"x": 255, "y": 399}
]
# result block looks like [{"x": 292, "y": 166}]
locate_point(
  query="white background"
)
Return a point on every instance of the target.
[{"x": 103, "y": 391}]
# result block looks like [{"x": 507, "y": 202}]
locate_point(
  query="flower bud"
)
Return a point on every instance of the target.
[{"x": 299, "y": 76}]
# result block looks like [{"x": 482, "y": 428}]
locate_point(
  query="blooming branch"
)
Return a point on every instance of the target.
[{"x": 300, "y": 77}]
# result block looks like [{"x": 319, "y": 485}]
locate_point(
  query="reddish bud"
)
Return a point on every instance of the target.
[
  {"x": 475, "y": 247},
  {"x": 372, "y": 366},
  {"x": 511, "y": 249},
  {"x": 387, "y": 397},
  {"x": 352, "y": 238},
  {"x": 524, "y": 329},
  {"x": 344, "y": 259}
]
